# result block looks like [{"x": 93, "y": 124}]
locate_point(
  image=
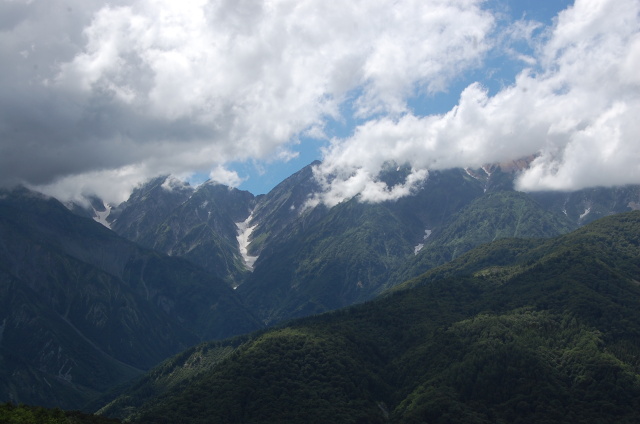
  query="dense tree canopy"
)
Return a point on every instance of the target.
[{"x": 514, "y": 331}]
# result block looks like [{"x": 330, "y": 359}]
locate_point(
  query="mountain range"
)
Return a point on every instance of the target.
[
  {"x": 310, "y": 260},
  {"x": 94, "y": 295}
]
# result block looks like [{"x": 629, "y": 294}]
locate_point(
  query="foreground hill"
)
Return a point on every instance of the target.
[
  {"x": 23, "y": 414},
  {"x": 82, "y": 309},
  {"x": 514, "y": 331}
]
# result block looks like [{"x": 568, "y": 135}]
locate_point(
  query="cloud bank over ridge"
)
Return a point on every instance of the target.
[
  {"x": 577, "y": 109},
  {"x": 98, "y": 97}
]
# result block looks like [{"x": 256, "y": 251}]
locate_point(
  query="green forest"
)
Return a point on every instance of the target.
[
  {"x": 23, "y": 414},
  {"x": 538, "y": 330}
]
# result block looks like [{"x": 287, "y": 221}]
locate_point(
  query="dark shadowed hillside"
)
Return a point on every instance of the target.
[{"x": 83, "y": 309}]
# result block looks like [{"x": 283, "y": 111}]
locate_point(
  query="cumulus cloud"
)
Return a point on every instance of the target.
[
  {"x": 221, "y": 175},
  {"x": 148, "y": 87},
  {"x": 577, "y": 110},
  {"x": 98, "y": 96},
  {"x": 111, "y": 185}
]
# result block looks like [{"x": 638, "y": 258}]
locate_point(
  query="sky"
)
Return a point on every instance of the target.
[{"x": 98, "y": 96}]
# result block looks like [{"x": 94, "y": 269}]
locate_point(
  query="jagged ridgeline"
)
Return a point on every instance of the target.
[
  {"x": 199, "y": 225},
  {"x": 86, "y": 306},
  {"x": 517, "y": 330},
  {"x": 288, "y": 260}
]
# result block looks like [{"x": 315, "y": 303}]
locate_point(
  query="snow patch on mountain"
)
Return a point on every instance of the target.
[
  {"x": 419, "y": 246},
  {"x": 101, "y": 216},
  {"x": 471, "y": 174},
  {"x": 244, "y": 233},
  {"x": 478, "y": 176},
  {"x": 585, "y": 213}
]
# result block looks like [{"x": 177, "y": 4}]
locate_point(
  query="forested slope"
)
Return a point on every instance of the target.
[{"x": 513, "y": 331}]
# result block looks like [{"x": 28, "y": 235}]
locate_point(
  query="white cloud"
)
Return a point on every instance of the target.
[
  {"x": 224, "y": 176},
  {"x": 578, "y": 111},
  {"x": 113, "y": 186},
  {"x": 167, "y": 87},
  {"x": 96, "y": 96}
]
